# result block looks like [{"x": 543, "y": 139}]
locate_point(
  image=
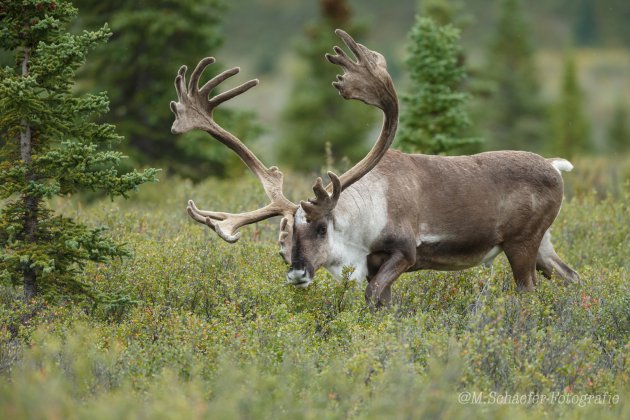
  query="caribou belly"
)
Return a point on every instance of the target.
[{"x": 441, "y": 253}]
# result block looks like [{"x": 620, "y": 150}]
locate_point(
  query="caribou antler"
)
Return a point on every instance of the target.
[
  {"x": 367, "y": 80},
  {"x": 323, "y": 203},
  {"x": 194, "y": 110}
]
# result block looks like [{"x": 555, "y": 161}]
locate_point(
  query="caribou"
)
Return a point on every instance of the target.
[{"x": 392, "y": 212}]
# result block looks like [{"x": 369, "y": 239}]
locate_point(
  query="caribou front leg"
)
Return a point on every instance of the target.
[{"x": 377, "y": 293}]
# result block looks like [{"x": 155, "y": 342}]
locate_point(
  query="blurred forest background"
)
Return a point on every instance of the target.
[{"x": 551, "y": 77}]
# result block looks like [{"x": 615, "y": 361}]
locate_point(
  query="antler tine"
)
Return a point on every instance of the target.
[
  {"x": 340, "y": 58},
  {"x": 227, "y": 95},
  {"x": 227, "y": 224},
  {"x": 323, "y": 203},
  {"x": 218, "y": 79},
  {"x": 357, "y": 49},
  {"x": 366, "y": 80},
  {"x": 194, "y": 110},
  {"x": 213, "y": 223},
  {"x": 283, "y": 229},
  {"x": 180, "y": 82},
  {"x": 285, "y": 238},
  {"x": 193, "y": 85}
]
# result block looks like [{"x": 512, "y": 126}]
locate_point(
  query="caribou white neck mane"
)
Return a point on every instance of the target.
[{"x": 392, "y": 212}]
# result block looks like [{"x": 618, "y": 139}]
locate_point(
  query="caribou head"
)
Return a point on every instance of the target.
[{"x": 391, "y": 212}]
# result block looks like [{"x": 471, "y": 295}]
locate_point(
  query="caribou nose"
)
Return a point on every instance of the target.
[{"x": 297, "y": 277}]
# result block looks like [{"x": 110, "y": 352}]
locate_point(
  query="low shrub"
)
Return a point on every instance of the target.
[{"x": 195, "y": 327}]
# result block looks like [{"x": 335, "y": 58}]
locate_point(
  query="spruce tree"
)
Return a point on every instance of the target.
[
  {"x": 570, "y": 128},
  {"x": 434, "y": 117},
  {"x": 315, "y": 114},
  {"x": 514, "y": 114},
  {"x": 50, "y": 147},
  {"x": 150, "y": 41},
  {"x": 444, "y": 12},
  {"x": 585, "y": 28},
  {"x": 619, "y": 129}
]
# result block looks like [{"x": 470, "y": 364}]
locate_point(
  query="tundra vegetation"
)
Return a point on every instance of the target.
[{"x": 206, "y": 328}]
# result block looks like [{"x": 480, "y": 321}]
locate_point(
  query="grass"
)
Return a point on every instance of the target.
[{"x": 201, "y": 328}]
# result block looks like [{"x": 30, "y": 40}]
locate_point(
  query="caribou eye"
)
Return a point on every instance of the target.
[{"x": 322, "y": 230}]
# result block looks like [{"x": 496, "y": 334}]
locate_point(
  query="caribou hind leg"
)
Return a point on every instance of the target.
[
  {"x": 549, "y": 263},
  {"x": 525, "y": 258},
  {"x": 522, "y": 259}
]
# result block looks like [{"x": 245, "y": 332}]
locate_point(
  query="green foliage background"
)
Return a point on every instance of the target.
[
  {"x": 151, "y": 40},
  {"x": 512, "y": 51},
  {"x": 570, "y": 128},
  {"x": 316, "y": 114},
  {"x": 619, "y": 129},
  {"x": 515, "y": 117}
]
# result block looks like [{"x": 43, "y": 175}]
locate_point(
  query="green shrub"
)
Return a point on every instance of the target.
[{"x": 207, "y": 329}]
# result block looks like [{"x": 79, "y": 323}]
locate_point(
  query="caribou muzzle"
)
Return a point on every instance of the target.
[{"x": 299, "y": 276}]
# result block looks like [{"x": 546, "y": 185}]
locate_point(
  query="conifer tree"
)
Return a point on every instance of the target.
[
  {"x": 514, "y": 114},
  {"x": 585, "y": 28},
  {"x": 619, "y": 129},
  {"x": 150, "y": 41},
  {"x": 570, "y": 128},
  {"x": 434, "y": 117},
  {"x": 445, "y": 12},
  {"x": 50, "y": 147},
  {"x": 315, "y": 113}
]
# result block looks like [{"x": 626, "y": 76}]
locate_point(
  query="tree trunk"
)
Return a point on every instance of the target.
[{"x": 30, "y": 203}]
